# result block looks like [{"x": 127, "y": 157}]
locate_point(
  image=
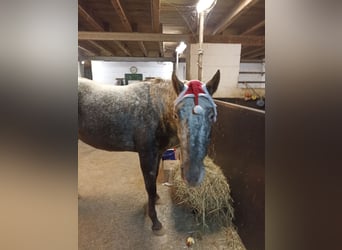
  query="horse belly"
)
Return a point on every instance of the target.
[{"x": 107, "y": 134}]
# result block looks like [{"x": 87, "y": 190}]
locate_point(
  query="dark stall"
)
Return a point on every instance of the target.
[{"x": 238, "y": 146}]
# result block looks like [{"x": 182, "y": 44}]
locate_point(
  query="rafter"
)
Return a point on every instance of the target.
[
  {"x": 161, "y": 49},
  {"x": 254, "y": 27},
  {"x": 121, "y": 13},
  {"x": 258, "y": 54},
  {"x": 125, "y": 22},
  {"x": 233, "y": 15},
  {"x": 125, "y": 36},
  {"x": 250, "y": 52},
  {"x": 86, "y": 50},
  {"x": 89, "y": 19},
  {"x": 155, "y": 14},
  {"x": 123, "y": 48},
  {"x": 243, "y": 40},
  {"x": 99, "y": 28},
  {"x": 155, "y": 37},
  {"x": 101, "y": 48}
]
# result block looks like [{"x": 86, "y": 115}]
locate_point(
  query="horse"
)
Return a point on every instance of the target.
[{"x": 148, "y": 118}]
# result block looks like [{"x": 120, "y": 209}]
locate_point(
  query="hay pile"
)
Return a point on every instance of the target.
[{"x": 211, "y": 201}]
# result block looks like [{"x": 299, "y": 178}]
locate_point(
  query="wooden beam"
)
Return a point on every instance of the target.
[
  {"x": 125, "y": 36},
  {"x": 123, "y": 48},
  {"x": 99, "y": 28},
  {"x": 254, "y": 27},
  {"x": 125, "y": 22},
  {"x": 155, "y": 37},
  {"x": 128, "y": 59},
  {"x": 257, "y": 50},
  {"x": 89, "y": 18},
  {"x": 261, "y": 53},
  {"x": 143, "y": 48},
  {"x": 121, "y": 13},
  {"x": 161, "y": 49},
  {"x": 233, "y": 15},
  {"x": 155, "y": 14},
  {"x": 243, "y": 40},
  {"x": 97, "y": 45},
  {"x": 86, "y": 50}
]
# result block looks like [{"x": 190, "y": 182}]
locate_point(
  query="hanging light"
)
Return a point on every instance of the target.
[
  {"x": 204, "y": 5},
  {"x": 181, "y": 47}
]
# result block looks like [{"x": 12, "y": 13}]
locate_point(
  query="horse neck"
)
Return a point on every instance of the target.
[{"x": 164, "y": 96}]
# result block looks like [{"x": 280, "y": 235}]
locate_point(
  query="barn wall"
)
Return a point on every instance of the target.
[
  {"x": 238, "y": 146},
  {"x": 107, "y": 72}
]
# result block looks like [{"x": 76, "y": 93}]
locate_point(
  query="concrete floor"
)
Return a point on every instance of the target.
[{"x": 111, "y": 208}]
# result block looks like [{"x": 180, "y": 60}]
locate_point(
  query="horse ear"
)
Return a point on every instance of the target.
[
  {"x": 177, "y": 84},
  {"x": 212, "y": 84}
]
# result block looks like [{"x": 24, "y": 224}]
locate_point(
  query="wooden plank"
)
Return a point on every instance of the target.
[
  {"x": 89, "y": 18},
  {"x": 129, "y": 59},
  {"x": 254, "y": 27},
  {"x": 125, "y": 36},
  {"x": 234, "y": 15},
  {"x": 121, "y": 13},
  {"x": 86, "y": 50},
  {"x": 143, "y": 48},
  {"x": 243, "y": 40},
  {"x": 99, "y": 28},
  {"x": 127, "y": 25},
  {"x": 161, "y": 49},
  {"x": 97, "y": 45},
  {"x": 155, "y": 14},
  {"x": 257, "y": 50},
  {"x": 123, "y": 48}
]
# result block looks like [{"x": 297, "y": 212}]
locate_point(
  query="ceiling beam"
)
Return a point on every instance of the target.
[
  {"x": 155, "y": 14},
  {"x": 237, "y": 10},
  {"x": 161, "y": 49},
  {"x": 101, "y": 48},
  {"x": 86, "y": 50},
  {"x": 155, "y": 37},
  {"x": 261, "y": 53},
  {"x": 250, "y": 52},
  {"x": 99, "y": 28},
  {"x": 89, "y": 18},
  {"x": 125, "y": 36},
  {"x": 129, "y": 59},
  {"x": 123, "y": 48},
  {"x": 125, "y": 22},
  {"x": 121, "y": 13},
  {"x": 254, "y": 27},
  {"x": 243, "y": 40}
]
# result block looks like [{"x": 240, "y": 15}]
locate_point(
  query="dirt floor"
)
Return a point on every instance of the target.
[{"x": 111, "y": 214}]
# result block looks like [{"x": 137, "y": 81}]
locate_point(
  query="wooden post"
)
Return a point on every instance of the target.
[{"x": 200, "y": 49}]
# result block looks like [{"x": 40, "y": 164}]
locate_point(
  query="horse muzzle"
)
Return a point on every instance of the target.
[{"x": 193, "y": 176}]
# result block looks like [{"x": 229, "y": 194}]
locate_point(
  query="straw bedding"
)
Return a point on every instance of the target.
[{"x": 211, "y": 201}]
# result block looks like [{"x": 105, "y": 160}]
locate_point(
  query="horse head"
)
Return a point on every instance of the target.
[{"x": 195, "y": 111}]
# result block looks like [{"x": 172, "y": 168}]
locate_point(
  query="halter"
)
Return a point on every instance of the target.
[{"x": 195, "y": 89}]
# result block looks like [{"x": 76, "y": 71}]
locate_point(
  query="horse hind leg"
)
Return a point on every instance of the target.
[{"x": 149, "y": 167}]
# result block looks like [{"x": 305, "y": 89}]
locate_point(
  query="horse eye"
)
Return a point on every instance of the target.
[
  {"x": 175, "y": 116},
  {"x": 211, "y": 117}
]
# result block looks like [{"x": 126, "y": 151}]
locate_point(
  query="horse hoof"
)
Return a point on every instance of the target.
[{"x": 159, "y": 232}]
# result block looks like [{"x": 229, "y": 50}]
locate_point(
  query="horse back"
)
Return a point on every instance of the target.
[{"x": 116, "y": 118}]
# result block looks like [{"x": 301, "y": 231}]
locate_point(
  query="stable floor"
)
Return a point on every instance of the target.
[{"x": 111, "y": 214}]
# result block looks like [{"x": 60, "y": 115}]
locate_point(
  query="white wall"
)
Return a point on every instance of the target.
[
  {"x": 226, "y": 58},
  {"x": 107, "y": 72}
]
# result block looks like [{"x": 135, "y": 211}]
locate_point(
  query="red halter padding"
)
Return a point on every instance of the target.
[{"x": 194, "y": 87}]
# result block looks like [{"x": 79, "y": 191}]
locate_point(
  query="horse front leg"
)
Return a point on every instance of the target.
[{"x": 149, "y": 166}]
